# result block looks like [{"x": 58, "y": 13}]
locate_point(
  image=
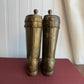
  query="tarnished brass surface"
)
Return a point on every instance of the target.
[
  {"x": 33, "y": 25},
  {"x": 50, "y": 34}
]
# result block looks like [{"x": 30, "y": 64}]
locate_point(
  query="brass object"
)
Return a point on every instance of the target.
[
  {"x": 33, "y": 26},
  {"x": 51, "y": 25}
]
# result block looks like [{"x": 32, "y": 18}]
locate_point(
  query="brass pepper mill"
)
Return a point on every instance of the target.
[
  {"x": 51, "y": 25},
  {"x": 33, "y": 26}
]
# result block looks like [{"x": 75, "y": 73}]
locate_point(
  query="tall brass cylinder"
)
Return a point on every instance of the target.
[
  {"x": 50, "y": 34},
  {"x": 33, "y": 26}
]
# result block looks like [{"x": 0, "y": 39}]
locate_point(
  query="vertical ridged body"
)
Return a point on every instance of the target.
[
  {"x": 33, "y": 24},
  {"x": 50, "y": 35}
]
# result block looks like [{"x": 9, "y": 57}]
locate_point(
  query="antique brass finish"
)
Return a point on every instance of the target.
[
  {"x": 33, "y": 25},
  {"x": 50, "y": 34}
]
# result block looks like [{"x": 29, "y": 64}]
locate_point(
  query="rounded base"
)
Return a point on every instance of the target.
[
  {"x": 46, "y": 73},
  {"x": 32, "y": 73}
]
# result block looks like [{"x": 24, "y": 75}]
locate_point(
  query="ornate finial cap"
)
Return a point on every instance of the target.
[
  {"x": 35, "y": 11},
  {"x": 34, "y": 17},
  {"x": 50, "y": 20},
  {"x": 49, "y": 12},
  {"x": 33, "y": 20}
]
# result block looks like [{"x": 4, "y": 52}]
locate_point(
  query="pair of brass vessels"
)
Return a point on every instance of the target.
[{"x": 34, "y": 26}]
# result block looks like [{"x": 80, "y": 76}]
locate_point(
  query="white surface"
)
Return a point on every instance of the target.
[{"x": 12, "y": 31}]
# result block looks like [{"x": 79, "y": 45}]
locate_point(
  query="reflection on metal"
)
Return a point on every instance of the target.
[
  {"x": 51, "y": 25},
  {"x": 33, "y": 26}
]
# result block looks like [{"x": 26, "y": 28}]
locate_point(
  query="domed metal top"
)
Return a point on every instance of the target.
[
  {"x": 51, "y": 20},
  {"x": 34, "y": 17},
  {"x": 33, "y": 20}
]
